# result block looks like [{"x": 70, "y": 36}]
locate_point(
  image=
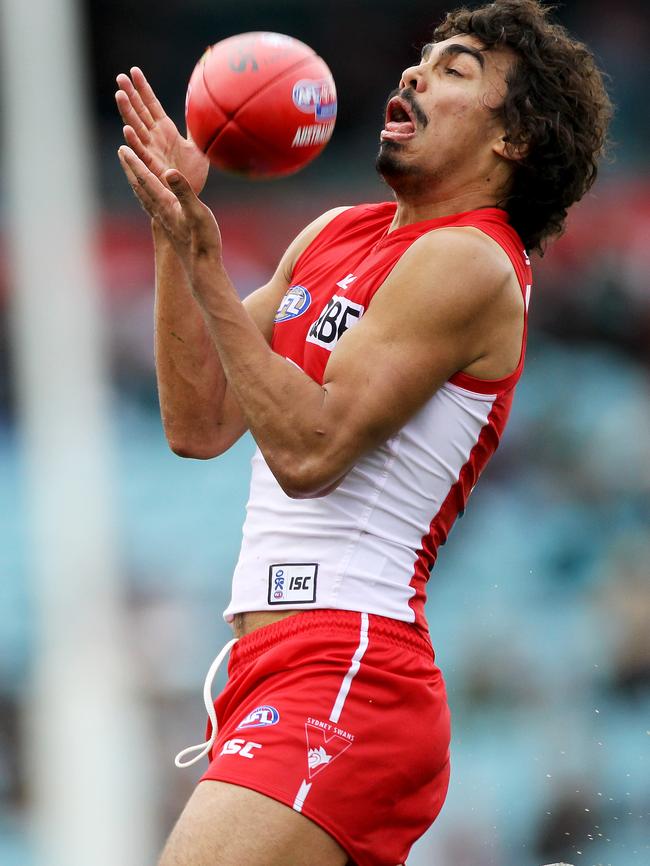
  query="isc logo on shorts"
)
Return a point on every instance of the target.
[
  {"x": 239, "y": 746},
  {"x": 292, "y": 583},
  {"x": 337, "y": 317}
]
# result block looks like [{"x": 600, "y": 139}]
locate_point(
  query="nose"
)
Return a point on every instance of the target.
[{"x": 413, "y": 77}]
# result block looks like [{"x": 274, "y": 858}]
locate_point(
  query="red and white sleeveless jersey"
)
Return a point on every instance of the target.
[{"x": 370, "y": 544}]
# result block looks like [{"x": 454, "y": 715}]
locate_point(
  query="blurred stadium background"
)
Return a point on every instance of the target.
[{"x": 539, "y": 605}]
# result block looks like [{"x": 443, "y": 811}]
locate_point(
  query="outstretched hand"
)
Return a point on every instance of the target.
[
  {"x": 152, "y": 135},
  {"x": 189, "y": 224}
]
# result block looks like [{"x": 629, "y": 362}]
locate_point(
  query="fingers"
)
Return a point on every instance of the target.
[
  {"x": 137, "y": 103},
  {"x": 182, "y": 189},
  {"x": 199, "y": 219},
  {"x": 147, "y": 95},
  {"x": 134, "y": 141},
  {"x": 139, "y": 190},
  {"x": 130, "y": 116},
  {"x": 193, "y": 208},
  {"x": 189, "y": 224},
  {"x": 140, "y": 109},
  {"x": 154, "y": 196}
]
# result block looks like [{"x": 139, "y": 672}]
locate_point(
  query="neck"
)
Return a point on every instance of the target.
[
  {"x": 454, "y": 189},
  {"x": 412, "y": 210}
]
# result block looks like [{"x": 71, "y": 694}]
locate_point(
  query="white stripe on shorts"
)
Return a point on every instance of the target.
[
  {"x": 301, "y": 796},
  {"x": 335, "y": 715},
  {"x": 355, "y": 664}
]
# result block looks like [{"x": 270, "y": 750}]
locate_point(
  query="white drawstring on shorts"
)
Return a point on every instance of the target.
[{"x": 209, "y": 705}]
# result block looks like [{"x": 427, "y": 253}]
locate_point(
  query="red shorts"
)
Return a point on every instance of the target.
[{"x": 342, "y": 716}]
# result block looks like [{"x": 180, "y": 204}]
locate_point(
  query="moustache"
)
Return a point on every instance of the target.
[{"x": 408, "y": 95}]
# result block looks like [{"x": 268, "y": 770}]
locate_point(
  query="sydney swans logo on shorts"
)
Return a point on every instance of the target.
[
  {"x": 260, "y": 717},
  {"x": 325, "y": 742},
  {"x": 293, "y": 304},
  {"x": 292, "y": 583},
  {"x": 315, "y": 97}
]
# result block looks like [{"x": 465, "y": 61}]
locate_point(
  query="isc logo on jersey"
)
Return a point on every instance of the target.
[
  {"x": 260, "y": 717},
  {"x": 296, "y": 300},
  {"x": 293, "y": 583},
  {"x": 338, "y": 316}
]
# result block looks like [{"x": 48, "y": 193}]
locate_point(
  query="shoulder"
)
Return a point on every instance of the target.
[
  {"x": 360, "y": 218},
  {"x": 307, "y": 235},
  {"x": 458, "y": 267},
  {"x": 459, "y": 251},
  {"x": 310, "y": 231}
]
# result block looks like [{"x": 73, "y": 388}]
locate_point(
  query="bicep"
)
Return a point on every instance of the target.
[
  {"x": 380, "y": 374},
  {"x": 423, "y": 325}
]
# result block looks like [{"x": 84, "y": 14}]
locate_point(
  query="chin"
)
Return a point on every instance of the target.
[{"x": 389, "y": 163}]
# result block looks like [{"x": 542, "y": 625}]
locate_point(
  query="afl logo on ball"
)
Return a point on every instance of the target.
[
  {"x": 260, "y": 717},
  {"x": 315, "y": 97},
  {"x": 293, "y": 304}
]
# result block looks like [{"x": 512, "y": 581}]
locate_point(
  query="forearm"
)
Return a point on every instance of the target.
[
  {"x": 283, "y": 407},
  {"x": 191, "y": 380},
  {"x": 225, "y": 361}
]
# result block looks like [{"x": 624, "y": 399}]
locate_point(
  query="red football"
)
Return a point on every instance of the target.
[{"x": 261, "y": 104}]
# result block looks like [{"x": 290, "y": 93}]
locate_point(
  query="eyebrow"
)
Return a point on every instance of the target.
[{"x": 457, "y": 48}]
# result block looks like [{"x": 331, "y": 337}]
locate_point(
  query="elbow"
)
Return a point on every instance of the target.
[
  {"x": 194, "y": 449},
  {"x": 309, "y": 479},
  {"x": 195, "y": 441}
]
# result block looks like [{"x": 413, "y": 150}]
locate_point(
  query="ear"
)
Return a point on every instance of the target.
[{"x": 507, "y": 150}]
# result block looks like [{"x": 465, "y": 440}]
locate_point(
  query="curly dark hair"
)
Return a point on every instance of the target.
[{"x": 556, "y": 110}]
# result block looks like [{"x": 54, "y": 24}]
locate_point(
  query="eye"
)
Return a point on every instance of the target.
[{"x": 450, "y": 71}]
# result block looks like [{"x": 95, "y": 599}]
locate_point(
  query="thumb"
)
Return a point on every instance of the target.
[{"x": 181, "y": 188}]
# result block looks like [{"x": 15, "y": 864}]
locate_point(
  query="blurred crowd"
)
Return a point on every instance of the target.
[{"x": 539, "y": 605}]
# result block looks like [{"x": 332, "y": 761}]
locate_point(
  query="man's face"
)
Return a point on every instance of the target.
[{"x": 441, "y": 119}]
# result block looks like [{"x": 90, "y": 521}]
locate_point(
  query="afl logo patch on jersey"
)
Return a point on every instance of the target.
[
  {"x": 260, "y": 717},
  {"x": 293, "y": 304}
]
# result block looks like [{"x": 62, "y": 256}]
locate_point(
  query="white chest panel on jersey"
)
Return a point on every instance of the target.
[{"x": 356, "y": 548}]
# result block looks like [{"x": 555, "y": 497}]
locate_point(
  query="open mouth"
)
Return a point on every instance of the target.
[{"x": 400, "y": 123}]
